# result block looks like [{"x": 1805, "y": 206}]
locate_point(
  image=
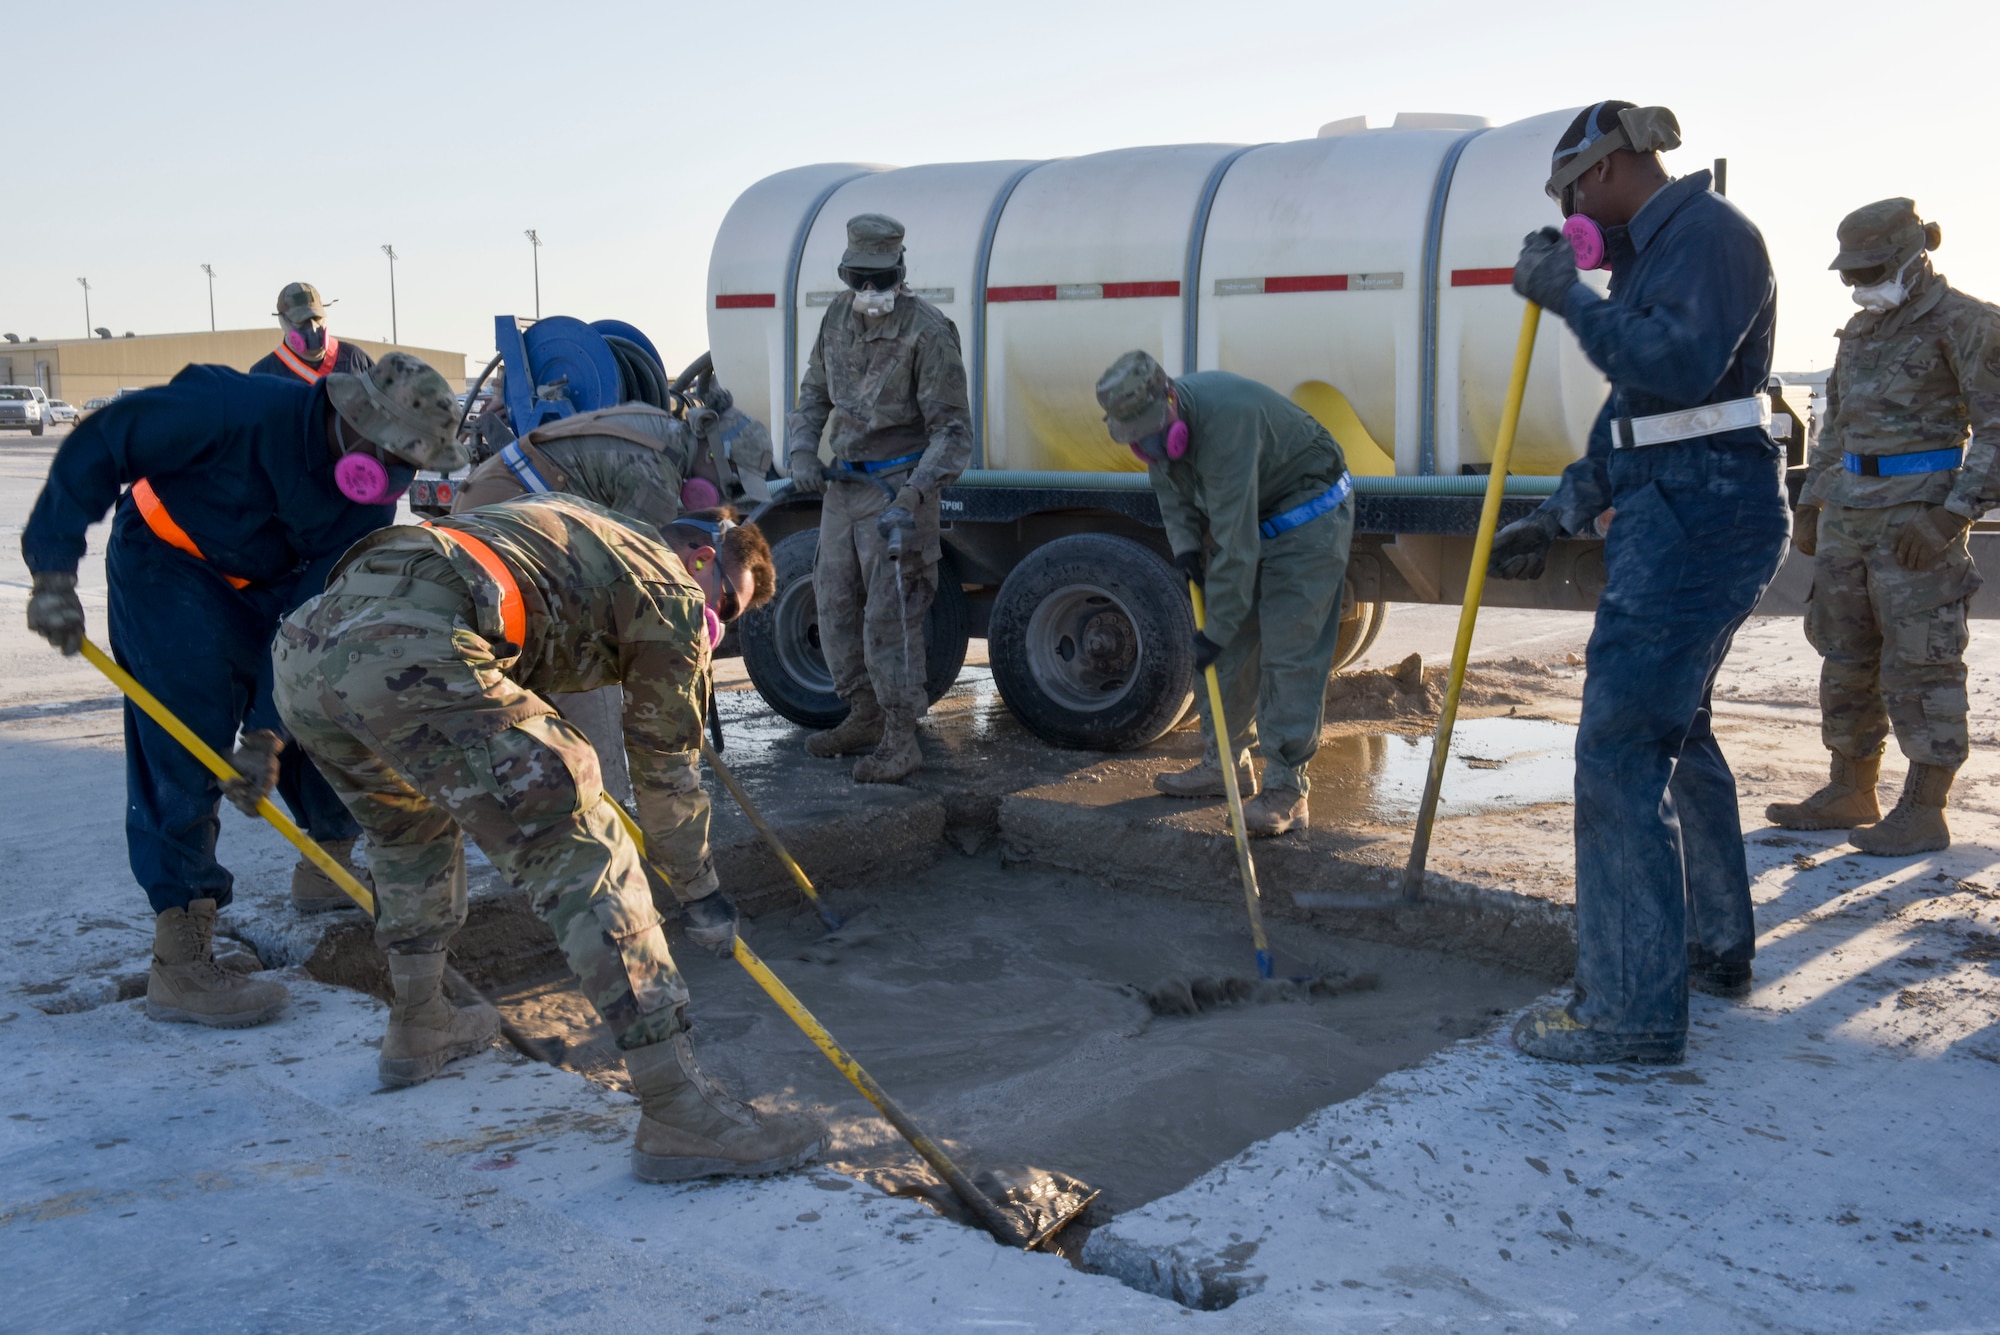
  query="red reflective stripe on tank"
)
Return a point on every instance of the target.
[
  {"x": 1481, "y": 277},
  {"x": 513, "y": 610},
  {"x": 1315, "y": 282},
  {"x": 744, "y": 301},
  {"x": 154, "y": 511},
  {"x": 1045, "y": 292},
  {"x": 1083, "y": 291},
  {"x": 1167, "y": 289}
]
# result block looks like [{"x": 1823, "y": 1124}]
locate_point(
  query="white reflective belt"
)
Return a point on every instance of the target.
[
  {"x": 523, "y": 468},
  {"x": 1629, "y": 433}
]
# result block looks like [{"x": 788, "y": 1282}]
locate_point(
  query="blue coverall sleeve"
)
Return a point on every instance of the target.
[
  {"x": 1678, "y": 346},
  {"x": 166, "y": 429},
  {"x": 1585, "y": 490}
]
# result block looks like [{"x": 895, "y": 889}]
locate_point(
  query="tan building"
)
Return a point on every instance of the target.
[{"x": 78, "y": 370}]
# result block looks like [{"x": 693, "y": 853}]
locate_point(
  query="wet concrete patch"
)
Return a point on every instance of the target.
[{"x": 1495, "y": 764}]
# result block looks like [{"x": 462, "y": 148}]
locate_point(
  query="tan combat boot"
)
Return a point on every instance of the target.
[
  {"x": 425, "y": 1029},
  {"x": 187, "y": 986},
  {"x": 690, "y": 1127},
  {"x": 896, "y": 756},
  {"x": 861, "y": 729},
  {"x": 1847, "y": 800},
  {"x": 1916, "y": 824},
  {"x": 1204, "y": 779},
  {"x": 1276, "y": 811},
  {"x": 313, "y": 891}
]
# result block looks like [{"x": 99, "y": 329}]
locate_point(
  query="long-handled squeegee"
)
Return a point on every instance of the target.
[
  {"x": 1475, "y": 588},
  {"x": 318, "y": 856}
]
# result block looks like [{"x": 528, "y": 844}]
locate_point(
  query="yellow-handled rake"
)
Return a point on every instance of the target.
[
  {"x": 1475, "y": 588},
  {"x": 1225, "y": 756},
  {"x": 284, "y": 825},
  {"x": 777, "y": 845}
]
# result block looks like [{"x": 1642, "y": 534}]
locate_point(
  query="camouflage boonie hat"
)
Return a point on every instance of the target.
[
  {"x": 1887, "y": 231},
  {"x": 298, "y": 303},
  {"x": 1133, "y": 394},
  {"x": 874, "y": 241},
  {"x": 405, "y": 407}
]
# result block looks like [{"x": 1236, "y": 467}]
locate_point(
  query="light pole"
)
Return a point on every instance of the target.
[
  {"x": 394, "y": 334},
  {"x": 86, "y": 305},
  {"x": 536, "y": 242},
  {"x": 209, "y": 269}
]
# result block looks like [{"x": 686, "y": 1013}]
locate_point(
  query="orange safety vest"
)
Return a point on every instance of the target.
[
  {"x": 305, "y": 372},
  {"x": 513, "y": 610},
  {"x": 154, "y": 512}
]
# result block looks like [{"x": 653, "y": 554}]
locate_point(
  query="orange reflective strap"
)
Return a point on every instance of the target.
[
  {"x": 309, "y": 374},
  {"x": 154, "y": 512},
  {"x": 513, "y": 610}
]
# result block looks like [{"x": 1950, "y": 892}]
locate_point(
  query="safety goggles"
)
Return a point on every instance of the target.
[
  {"x": 728, "y": 605},
  {"x": 882, "y": 280},
  {"x": 1867, "y": 277}
]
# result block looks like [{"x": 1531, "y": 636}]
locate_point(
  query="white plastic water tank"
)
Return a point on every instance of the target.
[{"x": 1363, "y": 272}]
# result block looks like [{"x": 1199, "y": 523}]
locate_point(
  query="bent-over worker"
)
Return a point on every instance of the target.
[
  {"x": 416, "y": 681},
  {"x": 1259, "y": 509},
  {"x": 1910, "y": 456},
  {"x": 1682, "y": 453},
  {"x": 235, "y": 494}
]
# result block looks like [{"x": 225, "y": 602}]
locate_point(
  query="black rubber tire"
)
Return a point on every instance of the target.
[
  {"x": 36, "y": 429},
  {"x": 780, "y": 640},
  {"x": 1133, "y": 599},
  {"x": 1358, "y": 631}
]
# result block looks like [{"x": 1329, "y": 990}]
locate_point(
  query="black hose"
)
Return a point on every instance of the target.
[
  {"x": 472, "y": 396},
  {"x": 644, "y": 379},
  {"x": 703, "y": 365}
]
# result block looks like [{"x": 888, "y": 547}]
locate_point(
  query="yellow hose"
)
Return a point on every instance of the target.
[
  {"x": 1225, "y": 751},
  {"x": 1475, "y": 588}
]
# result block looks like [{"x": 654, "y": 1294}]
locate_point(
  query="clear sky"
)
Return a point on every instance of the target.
[{"x": 290, "y": 141}]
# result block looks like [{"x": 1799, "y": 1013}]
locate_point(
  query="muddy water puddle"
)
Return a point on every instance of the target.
[
  {"x": 1495, "y": 764},
  {"x": 1002, "y": 1009}
]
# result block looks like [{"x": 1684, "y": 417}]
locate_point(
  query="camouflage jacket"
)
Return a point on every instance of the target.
[
  {"x": 885, "y": 389},
  {"x": 1252, "y": 454},
  {"x": 638, "y": 481},
  {"x": 739, "y": 447},
  {"x": 1923, "y": 376},
  {"x": 607, "y": 602}
]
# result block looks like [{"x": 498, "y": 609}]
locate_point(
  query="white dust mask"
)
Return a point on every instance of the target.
[
  {"x": 1886, "y": 296},
  {"x": 875, "y": 304}
]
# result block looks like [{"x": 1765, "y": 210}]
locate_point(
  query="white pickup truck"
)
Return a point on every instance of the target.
[{"x": 24, "y": 406}]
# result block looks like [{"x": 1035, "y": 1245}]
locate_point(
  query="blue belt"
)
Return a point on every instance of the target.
[
  {"x": 1311, "y": 510},
  {"x": 523, "y": 468},
  {"x": 1902, "y": 465},
  {"x": 879, "y": 466}
]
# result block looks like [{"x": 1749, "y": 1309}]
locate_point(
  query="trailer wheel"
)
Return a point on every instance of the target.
[
  {"x": 1359, "y": 626},
  {"x": 781, "y": 647},
  {"x": 1090, "y": 643}
]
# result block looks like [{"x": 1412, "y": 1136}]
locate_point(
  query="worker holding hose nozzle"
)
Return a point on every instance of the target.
[
  {"x": 417, "y": 683},
  {"x": 1909, "y": 458},
  {"x": 1259, "y": 508},
  {"x": 239, "y": 492},
  {"x": 1681, "y": 452},
  {"x": 886, "y": 387}
]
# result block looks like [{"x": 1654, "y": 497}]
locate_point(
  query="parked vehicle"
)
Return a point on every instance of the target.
[
  {"x": 61, "y": 412},
  {"x": 24, "y": 406}
]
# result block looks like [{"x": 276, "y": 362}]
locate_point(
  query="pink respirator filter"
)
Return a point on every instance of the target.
[
  {"x": 363, "y": 480},
  {"x": 698, "y": 493},
  {"x": 714, "y": 626},
  {"x": 1586, "y": 238}
]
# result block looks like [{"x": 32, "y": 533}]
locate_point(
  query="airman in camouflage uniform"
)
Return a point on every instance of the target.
[
  {"x": 735, "y": 448},
  {"x": 404, "y": 685},
  {"x": 886, "y": 388},
  {"x": 1893, "y": 487},
  {"x": 632, "y": 458}
]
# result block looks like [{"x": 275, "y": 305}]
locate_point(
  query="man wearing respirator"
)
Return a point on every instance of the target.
[
  {"x": 1906, "y": 462},
  {"x": 1682, "y": 455},
  {"x": 234, "y": 495},
  {"x": 307, "y": 351}
]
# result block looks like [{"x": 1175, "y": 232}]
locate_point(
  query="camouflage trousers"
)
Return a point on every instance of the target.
[
  {"x": 425, "y": 740},
  {"x": 1273, "y": 672},
  {"x": 871, "y": 628},
  {"x": 1893, "y": 639}
]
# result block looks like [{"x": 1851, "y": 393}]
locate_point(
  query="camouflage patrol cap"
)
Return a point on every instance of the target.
[
  {"x": 299, "y": 303},
  {"x": 874, "y": 241},
  {"x": 1133, "y": 394},
  {"x": 1885, "y": 232},
  {"x": 403, "y": 406}
]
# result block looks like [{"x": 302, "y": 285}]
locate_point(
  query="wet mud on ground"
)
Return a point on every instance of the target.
[{"x": 1002, "y": 1009}]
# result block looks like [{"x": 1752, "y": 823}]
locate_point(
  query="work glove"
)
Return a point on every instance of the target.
[
  {"x": 1206, "y": 651},
  {"x": 1922, "y": 543},
  {"x": 1805, "y": 529},
  {"x": 256, "y": 762},
  {"x": 1192, "y": 565},
  {"x": 54, "y": 611},
  {"x": 710, "y": 922},
  {"x": 1521, "y": 550},
  {"x": 894, "y": 518},
  {"x": 1546, "y": 269},
  {"x": 807, "y": 477}
]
